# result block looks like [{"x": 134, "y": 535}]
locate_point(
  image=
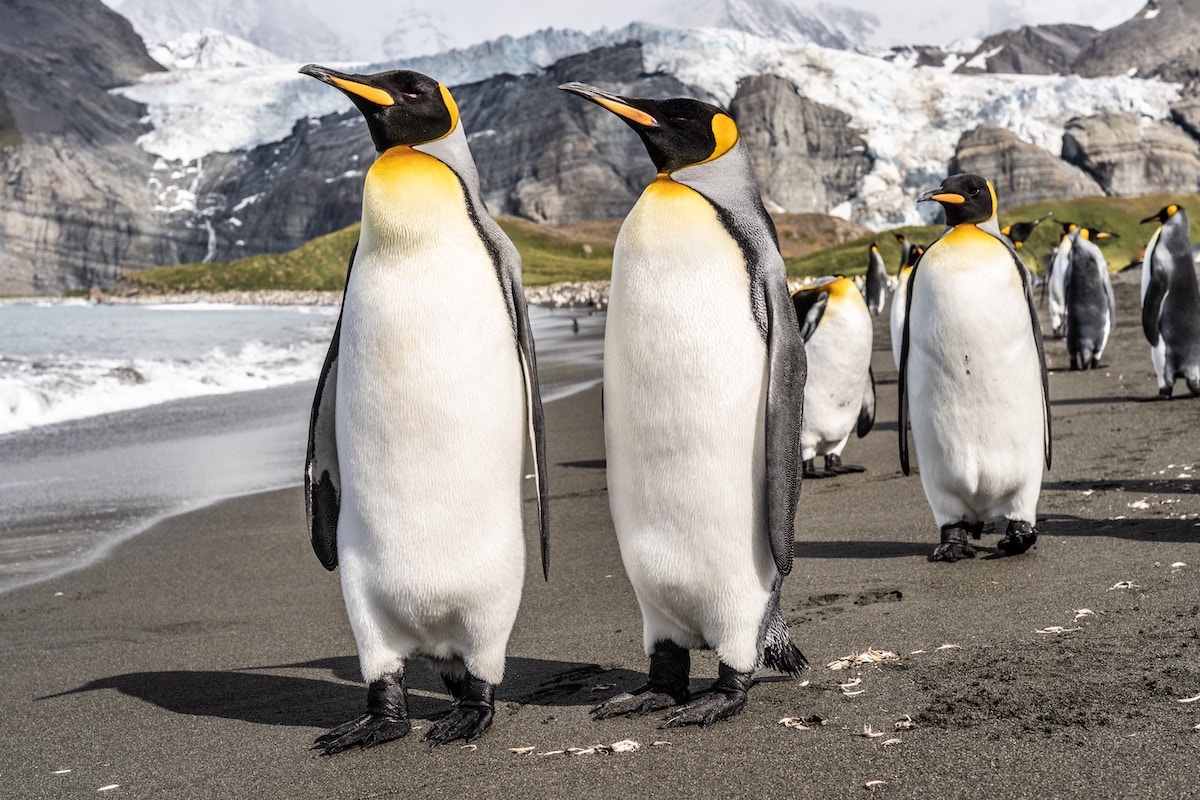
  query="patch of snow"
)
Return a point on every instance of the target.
[{"x": 980, "y": 61}]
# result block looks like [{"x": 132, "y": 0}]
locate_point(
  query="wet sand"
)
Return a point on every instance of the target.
[{"x": 202, "y": 657}]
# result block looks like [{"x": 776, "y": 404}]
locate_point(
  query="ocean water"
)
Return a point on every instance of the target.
[{"x": 115, "y": 417}]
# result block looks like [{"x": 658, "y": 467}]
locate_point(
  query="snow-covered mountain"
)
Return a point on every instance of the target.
[
  {"x": 911, "y": 117},
  {"x": 210, "y": 48}
]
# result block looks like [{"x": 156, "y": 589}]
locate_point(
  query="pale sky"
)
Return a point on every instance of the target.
[{"x": 901, "y": 21}]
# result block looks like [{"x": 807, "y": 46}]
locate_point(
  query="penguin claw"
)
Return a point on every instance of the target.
[
  {"x": 1019, "y": 537},
  {"x": 954, "y": 546},
  {"x": 707, "y": 709},
  {"x": 465, "y": 722},
  {"x": 639, "y": 701},
  {"x": 365, "y": 731}
]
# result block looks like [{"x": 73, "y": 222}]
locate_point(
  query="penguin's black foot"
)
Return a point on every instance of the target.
[
  {"x": 386, "y": 719},
  {"x": 725, "y": 698},
  {"x": 954, "y": 546},
  {"x": 1019, "y": 537},
  {"x": 471, "y": 715},
  {"x": 834, "y": 464},
  {"x": 670, "y": 665},
  {"x": 811, "y": 471},
  {"x": 1165, "y": 392}
]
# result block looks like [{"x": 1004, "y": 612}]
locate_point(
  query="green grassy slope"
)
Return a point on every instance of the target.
[
  {"x": 584, "y": 252},
  {"x": 1119, "y": 215}
]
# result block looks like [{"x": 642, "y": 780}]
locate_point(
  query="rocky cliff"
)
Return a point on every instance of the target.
[
  {"x": 1021, "y": 172},
  {"x": 76, "y": 208}
]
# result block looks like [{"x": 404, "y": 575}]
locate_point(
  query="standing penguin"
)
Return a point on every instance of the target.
[
  {"x": 973, "y": 377},
  {"x": 416, "y": 446},
  {"x": 839, "y": 395},
  {"x": 905, "y": 248},
  {"x": 1091, "y": 310},
  {"x": 1171, "y": 302},
  {"x": 1056, "y": 281},
  {"x": 900, "y": 300},
  {"x": 702, "y": 412},
  {"x": 875, "y": 289}
]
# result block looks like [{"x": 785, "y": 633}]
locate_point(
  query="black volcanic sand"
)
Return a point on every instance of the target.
[{"x": 201, "y": 658}]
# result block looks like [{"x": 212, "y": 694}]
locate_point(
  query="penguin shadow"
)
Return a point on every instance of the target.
[
  {"x": 861, "y": 549},
  {"x": 1103, "y": 400},
  {"x": 594, "y": 463},
  {"x": 252, "y": 694},
  {"x": 1132, "y": 486},
  {"x": 1183, "y": 531}
]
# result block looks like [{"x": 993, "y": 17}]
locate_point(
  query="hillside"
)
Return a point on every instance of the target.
[{"x": 580, "y": 252}]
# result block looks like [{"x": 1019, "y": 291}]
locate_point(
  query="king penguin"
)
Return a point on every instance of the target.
[
  {"x": 839, "y": 395},
  {"x": 1091, "y": 311},
  {"x": 1171, "y": 302},
  {"x": 973, "y": 377},
  {"x": 875, "y": 287},
  {"x": 702, "y": 412},
  {"x": 900, "y": 299},
  {"x": 416, "y": 443},
  {"x": 1055, "y": 283}
]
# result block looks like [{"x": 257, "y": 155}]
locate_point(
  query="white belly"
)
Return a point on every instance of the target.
[
  {"x": 974, "y": 388},
  {"x": 839, "y": 355},
  {"x": 430, "y": 426},
  {"x": 685, "y": 377}
]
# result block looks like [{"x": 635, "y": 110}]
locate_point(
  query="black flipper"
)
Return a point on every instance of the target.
[
  {"x": 866, "y": 413},
  {"x": 902, "y": 378},
  {"x": 810, "y": 307},
  {"x": 1027, "y": 287},
  {"x": 1152, "y": 298},
  {"x": 788, "y": 370},
  {"x": 322, "y": 479}
]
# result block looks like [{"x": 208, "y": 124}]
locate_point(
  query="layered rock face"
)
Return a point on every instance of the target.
[
  {"x": 1031, "y": 50},
  {"x": 807, "y": 156},
  {"x": 76, "y": 209},
  {"x": 1021, "y": 172},
  {"x": 1162, "y": 40},
  {"x": 1128, "y": 155}
]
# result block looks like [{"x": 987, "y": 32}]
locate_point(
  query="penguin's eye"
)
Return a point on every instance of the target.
[{"x": 975, "y": 191}]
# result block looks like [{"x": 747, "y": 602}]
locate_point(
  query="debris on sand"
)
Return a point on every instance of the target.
[
  {"x": 871, "y": 786},
  {"x": 1189, "y": 699},
  {"x": 889, "y": 742},
  {"x": 1080, "y": 613},
  {"x": 1059, "y": 629},
  {"x": 868, "y": 732},
  {"x": 950, "y": 647},
  {"x": 1124, "y": 585},
  {"x": 521, "y": 751},
  {"x": 870, "y": 656},
  {"x": 905, "y": 723}
]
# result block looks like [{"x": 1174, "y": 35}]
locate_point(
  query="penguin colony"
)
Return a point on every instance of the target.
[{"x": 417, "y": 441}]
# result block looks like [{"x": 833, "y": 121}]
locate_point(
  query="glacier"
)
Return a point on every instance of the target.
[{"x": 911, "y": 117}]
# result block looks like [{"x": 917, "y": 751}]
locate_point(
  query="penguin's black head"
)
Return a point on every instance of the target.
[
  {"x": 914, "y": 255},
  {"x": 967, "y": 199},
  {"x": 1096, "y": 235},
  {"x": 1067, "y": 227},
  {"x": 678, "y": 132},
  {"x": 1164, "y": 214},
  {"x": 401, "y": 107}
]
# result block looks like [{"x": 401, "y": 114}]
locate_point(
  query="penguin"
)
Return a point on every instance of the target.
[
  {"x": 1171, "y": 302},
  {"x": 839, "y": 395},
  {"x": 899, "y": 300},
  {"x": 702, "y": 412},
  {"x": 1058, "y": 270},
  {"x": 973, "y": 377},
  {"x": 875, "y": 287},
  {"x": 1088, "y": 296},
  {"x": 414, "y": 471},
  {"x": 905, "y": 248},
  {"x": 1018, "y": 232}
]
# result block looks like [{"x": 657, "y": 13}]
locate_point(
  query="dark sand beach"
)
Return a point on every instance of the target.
[{"x": 200, "y": 658}]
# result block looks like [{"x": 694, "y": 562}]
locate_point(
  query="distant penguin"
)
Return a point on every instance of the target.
[
  {"x": 900, "y": 300},
  {"x": 416, "y": 448},
  {"x": 875, "y": 287},
  {"x": 702, "y": 411},
  {"x": 1171, "y": 302},
  {"x": 905, "y": 247},
  {"x": 973, "y": 377},
  {"x": 1055, "y": 283},
  {"x": 839, "y": 396},
  {"x": 1019, "y": 232},
  {"x": 1090, "y": 307}
]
